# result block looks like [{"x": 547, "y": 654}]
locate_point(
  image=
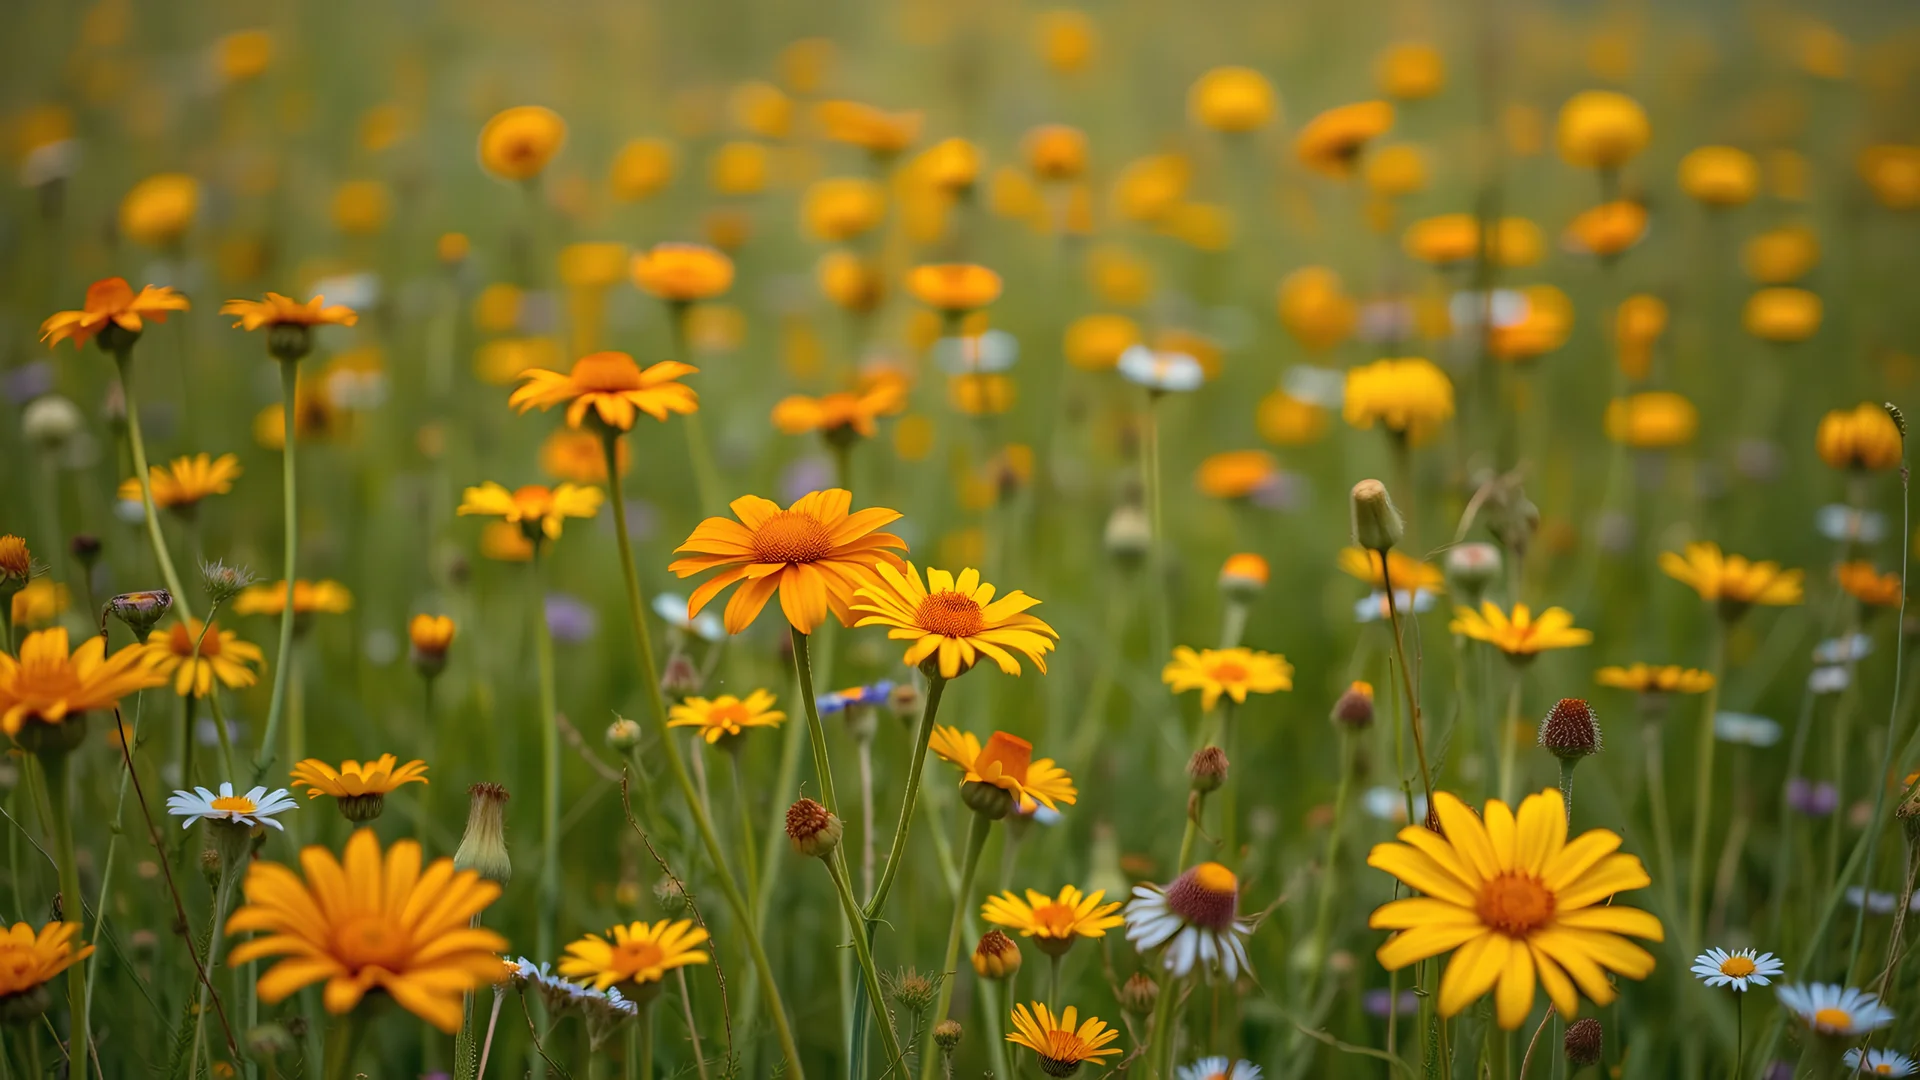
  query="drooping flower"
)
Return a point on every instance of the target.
[
  {"x": 1331, "y": 143},
  {"x": 1520, "y": 635},
  {"x": 1054, "y": 922},
  {"x": 112, "y": 302},
  {"x": 815, "y": 554},
  {"x": 613, "y": 386},
  {"x": 1197, "y": 917},
  {"x": 639, "y": 953},
  {"x": 1007, "y": 763},
  {"x": 184, "y": 481},
  {"x": 1234, "y": 672},
  {"x": 540, "y": 511},
  {"x": 194, "y": 654},
  {"x": 1740, "y": 969},
  {"x": 368, "y": 922},
  {"x": 1833, "y": 1009},
  {"x": 49, "y": 682},
  {"x": 953, "y": 620},
  {"x": 1732, "y": 581},
  {"x": 254, "y": 808},
  {"x": 1061, "y": 1046},
  {"x": 1514, "y": 900},
  {"x": 725, "y": 715}
]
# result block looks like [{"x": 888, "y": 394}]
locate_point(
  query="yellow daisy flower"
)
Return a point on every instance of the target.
[
  {"x": 371, "y": 922},
  {"x": 277, "y": 310},
  {"x": 1233, "y": 672},
  {"x": 329, "y": 597},
  {"x": 1061, "y": 1046},
  {"x": 1517, "y": 901},
  {"x": 112, "y": 302},
  {"x": 1407, "y": 573},
  {"x": 952, "y": 620},
  {"x": 1649, "y": 679},
  {"x": 184, "y": 481},
  {"x": 1519, "y": 635},
  {"x": 1869, "y": 586},
  {"x": 48, "y": 683},
  {"x": 540, "y": 511},
  {"x": 30, "y": 959},
  {"x": 1006, "y": 762},
  {"x": 1732, "y": 580},
  {"x": 726, "y": 714},
  {"x": 221, "y": 655},
  {"x": 377, "y": 776},
  {"x": 639, "y": 953},
  {"x": 1054, "y": 922},
  {"x": 613, "y": 386}
]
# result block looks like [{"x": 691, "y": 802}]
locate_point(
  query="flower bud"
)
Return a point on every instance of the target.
[
  {"x": 1207, "y": 769},
  {"x": 812, "y": 830},
  {"x": 1472, "y": 567},
  {"x": 622, "y": 735},
  {"x": 430, "y": 636},
  {"x": 1584, "y": 1041},
  {"x": 85, "y": 548},
  {"x": 681, "y": 678},
  {"x": 996, "y": 957},
  {"x": 223, "y": 582},
  {"x": 904, "y": 700},
  {"x": 988, "y": 800},
  {"x": 1570, "y": 731},
  {"x": 141, "y": 610},
  {"x": 671, "y": 895},
  {"x": 289, "y": 342},
  {"x": 1139, "y": 994},
  {"x": 16, "y": 562},
  {"x": 1355, "y": 708},
  {"x": 484, "y": 846},
  {"x": 50, "y": 420},
  {"x": 1377, "y": 526},
  {"x": 1129, "y": 534},
  {"x": 946, "y": 1035},
  {"x": 1243, "y": 576},
  {"x": 268, "y": 1041},
  {"x": 912, "y": 991}
]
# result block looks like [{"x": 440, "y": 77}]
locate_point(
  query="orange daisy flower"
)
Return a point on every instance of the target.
[
  {"x": 613, "y": 386},
  {"x": 277, "y": 310},
  {"x": 111, "y": 301}
]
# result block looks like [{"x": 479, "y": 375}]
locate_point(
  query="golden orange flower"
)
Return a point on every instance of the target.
[
  {"x": 842, "y": 415},
  {"x": 814, "y": 554},
  {"x": 682, "y": 273},
  {"x": 1520, "y": 635},
  {"x": 1863, "y": 437},
  {"x": 880, "y": 133},
  {"x": 1332, "y": 142},
  {"x": 1783, "y": 314},
  {"x": 329, "y": 597},
  {"x": 840, "y": 208},
  {"x": 1601, "y": 129},
  {"x": 1006, "y": 762},
  {"x": 195, "y": 654},
  {"x": 1732, "y": 581},
  {"x": 954, "y": 288},
  {"x": 1236, "y": 474},
  {"x": 517, "y": 143},
  {"x": 277, "y": 310},
  {"x": 1719, "y": 175},
  {"x": 1233, "y": 100},
  {"x": 1860, "y": 580},
  {"x": 1407, "y": 573},
  {"x": 579, "y": 456},
  {"x": 953, "y": 620},
  {"x": 377, "y": 776},
  {"x": 1055, "y": 151},
  {"x": 540, "y": 511},
  {"x": 49, "y": 683},
  {"x": 1655, "y": 420},
  {"x": 1649, "y": 679},
  {"x": 184, "y": 481},
  {"x": 1607, "y": 229},
  {"x": 613, "y": 386},
  {"x": 112, "y": 302}
]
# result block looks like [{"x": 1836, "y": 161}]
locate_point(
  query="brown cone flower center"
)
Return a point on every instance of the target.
[
  {"x": 1515, "y": 904},
  {"x": 950, "y": 614},
  {"x": 791, "y": 537}
]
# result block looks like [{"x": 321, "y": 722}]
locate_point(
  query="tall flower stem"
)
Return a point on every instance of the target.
[
  {"x": 132, "y": 735},
  {"x": 1703, "y": 797},
  {"x": 869, "y": 975},
  {"x": 549, "y": 904},
  {"x": 289, "y": 481},
  {"x": 1406, "y": 681},
  {"x": 816, "y": 733},
  {"x": 1329, "y": 876},
  {"x": 1653, "y": 734},
  {"x": 1160, "y": 1035},
  {"x": 342, "y": 1040},
  {"x": 677, "y": 767},
  {"x": 137, "y": 443},
  {"x": 706, "y": 476},
  {"x": 742, "y": 809},
  {"x": 970, "y": 862},
  {"x": 1508, "y": 721},
  {"x": 222, "y": 898},
  {"x": 60, "y": 801},
  {"x": 1893, "y": 710},
  {"x": 1157, "y": 545}
]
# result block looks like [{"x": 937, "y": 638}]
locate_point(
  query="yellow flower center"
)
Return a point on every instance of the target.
[
  {"x": 635, "y": 957},
  {"x": 1215, "y": 878},
  {"x": 1736, "y": 967},
  {"x": 371, "y": 940},
  {"x": 791, "y": 537},
  {"x": 1515, "y": 904},
  {"x": 1053, "y": 920},
  {"x": 950, "y": 614},
  {"x": 238, "y": 804},
  {"x": 180, "y": 641},
  {"x": 606, "y": 372},
  {"x": 1835, "y": 1019},
  {"x": 1229, "y": 672}
]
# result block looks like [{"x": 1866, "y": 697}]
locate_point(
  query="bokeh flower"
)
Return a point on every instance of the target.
[
  {"x": 1519, "y": 634},
  {"x": 538, "y": 510},
  {"x": 613, "y": 386},
  {"x": 1332, "y": 142},
  {"x": 639, "y": 954},
  {"x": 1732, "y": 581},
  {"x": 309, "y": 597},
  {"x": 1601, "y": 129},
  {"x": 1234, "y": 672},
  {"x": 517, "y": 143},
  {"x": 726, "y": 715},
  {"x": 181, "y": 483},
  {"x": 1861, "y": 438},
  {"x": 194, "y": 654},
  {"x": 1410, "y": 397},
  {"x": 111, "y": 302},
  {"x": 1233, "y": 100}
]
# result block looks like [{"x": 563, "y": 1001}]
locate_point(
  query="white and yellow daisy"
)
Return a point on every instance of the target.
[
  {"x": 1739, "y": 969},
  {"x": 1220, "y": 1068},
  {"x": 1832, "y": 1009},
  {"x": 1879, "y": 1063},
  {"x": 1196, "y": 918},
  {"x": 256, "y": 807}
]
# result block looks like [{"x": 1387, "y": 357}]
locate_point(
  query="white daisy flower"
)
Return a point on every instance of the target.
[
  {"x": 1373, "y": 606},
  {"x": 1745, "y": 728},
  {"x": 1832, "y": 1009},
  {"x": 995, "y": 350},
  {"x": 1880, "y": 1063},
  {"x": 1385, "y": 803},
  {"x": 673, "y": 608},
  {"x": 1739, "y": 969},
  {"x": 1196, "y": 918},
  {"x": 256, "y": 807},
  {"x": 1162, "y": 371},
  {"x": 1219, "y": 1068}
]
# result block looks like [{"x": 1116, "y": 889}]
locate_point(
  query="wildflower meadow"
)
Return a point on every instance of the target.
[{"x": 912, "y": 540}]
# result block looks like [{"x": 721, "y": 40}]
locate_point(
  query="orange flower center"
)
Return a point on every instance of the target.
[
  {"x": 370, "y": 940},
  {"x": 533, "y": 501},
  {"x": 1515, "y": 904},
  {"x": 635, "y": 957},
  {"x": 791, "y": 537},
  {"x": 1064, "y": 1048},
  {"x": 238, "y": 804},
  {"x": 1738, "y": 967},
  {"x": 1053, "y": 920},
  {"x": 1010, "y": 752},
  {"x": 732, "y": 714},
  {"x": 606, "y": 372},
  {"x": 1833, "y": 1019},
  {"x": 950, "y": 614},
  {"x": 1228, "y": 672},
  {"x": 180, "y": 640}
]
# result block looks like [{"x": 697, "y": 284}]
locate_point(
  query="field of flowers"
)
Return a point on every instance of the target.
[{"x": 928, "y": 540}]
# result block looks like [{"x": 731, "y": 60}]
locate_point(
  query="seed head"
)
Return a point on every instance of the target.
[
  {"x": 946, "y": 1035},
  {"x": 812, "y": 830},
  {"x": 1570, "y": 731},
  {"x": 1584, "y": 1042},
  {"x": 1355, "y": 707},
  {"x": 1139, "y": 993},
  {"x": 997, "y": 956},
  {"x": 912, "y": 991},
  {"x": 484, "y": 846},
  {"x": 681, "y": 678},
  {"x": 224, "y": 582},
  {"x": 1207, "y": 769},
  {"x": 671, "y": 895}
]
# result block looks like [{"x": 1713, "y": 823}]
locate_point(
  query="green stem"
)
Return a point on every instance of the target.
[
  {"x": 976, "y": 842},
  {"x": 1323, "y": 916},
  {"x": 132, "y": 736},
  {"x": 1505, "y": 735},
  {"x": 1893, "y": 713},
  {"x": 869, "y": 976},
  {"x": 1156, "y": 550},
  {"x": 816, "y": 733},
  {"x": 896, "y": 854},
  {"x": 677, "y": 766},
  {"x": 1566, "y": 785},
  {"x": 1160, "y": 1035},
  {"x": 1703, "y": 796},
  {"x": 743, "y": 810},
  {"x": 1053, "y": 980},
  {"x": 549, "y": 904},
  {"x": 222, "y": 896},
  {"x": 1406, "y": 681},
  {"x": 343, "y": 1038},
  {"x": 289, "y": 486},
  {"x": 59, "y": 799},
  {"x": 646, "y": 1043},
  {"x": 706, "y": 476},
  {"x": 138, "y": 444},
  {"x": 1196, "y": 805}
]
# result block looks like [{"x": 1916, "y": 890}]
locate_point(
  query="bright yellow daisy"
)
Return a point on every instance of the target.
[
  {"x": 184, "y": 481},
  {"x": 814, "y": 554},
  {"x": 1061, "y": 1045},
  {"x": 1652, "y": 679},
  {"x": 1732, "y": 581},
  {"x": 1520, "y": 635},
  {"x": 1233, "y": 672},
  {"x": 1407, "y": 573},
  {"x": 277, "y": 310},
  {"x": 953, "y": 620},
  {"x": 1054, "y": 922},
  {"x": 377, "y": 776},
  {"x": 639, "y": 953},
  {"x": 540, "y": 511},
  {"x": 1006, "y": 762},
  {"x": 329, "y": 597},
  {"x": 30, "y": 959},
  {"x": 220, "y": 655},
  {"x": 613, "y": 386},
  {"x": 49, "y": 683},
  {"x": 1518, "y": 901},
  {"x": 725, "y": 715},
  {"x": 368, "y": 922}
]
